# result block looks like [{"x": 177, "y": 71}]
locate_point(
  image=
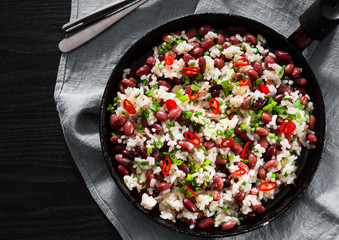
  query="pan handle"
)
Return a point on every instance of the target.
[{"x": 316, "y": 23}]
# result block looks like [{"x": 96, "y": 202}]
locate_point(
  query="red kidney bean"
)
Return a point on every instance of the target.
[
  {"x": 242, "y": 165},
  {"x": 239, "y": 197},
  {"x": 300, "y": 81},
  {"x": 228, "y": 225},
  {"x": 234, "y": 40},
  {"x": 123, "y": 170},
  {"x": 200, "y": 214},
  {"x": 144, "y": 70},
  {"x": 206, "y": 222},
  {"x": 207, "y": 44},
  {"x": 257, "y": 104},
  {"x": 246, "y": 103},
  {"x": 253, "y": 74},
  {"x": 161, "y": 57},
  {"x": 185, "y": 146},
  {"x": 188, "y": 88},
  {"x": 252, "y": 160},
  {"x": 219, "y": 63},
  {"x": 244, "y": 137},
  {"x": 216, "y": 195},
  {"x": 284, "y": 89},
  {"x": 303, "y": 100},
  {"x": 238, "y": 75},
  {"x": 114, "y": 139},
  {"x": 238, "y": 130},
  {"x": 142, "y": 151},
  {"x": 152, "y": 77},
  {"x": 289, "y": 68},
  {"x": 183, "y": 167},
  {"x": 150, "y": 61},
  {"x": 208, "y": 144},
  {"x": 271, "y": 163},
  {"x": 129, "y": 128},
  {"x": 301, "y": 90},
  {"x": 121, "y": 88},
  {"x": 251, "y": 38},
  {"x": 254, "y": 191},
  {"x": 191, "y": 33},
  {"x": 289, "y": 136},
  {"x": 261, "y": 131},
  {"x": 266, "y": 117},
  {"x": 119, "y": 147},
  {"x": 165, "y": 84},
  {"x": 166, "y": 37},
  {"x": 260, "y": 210},
  {"x": 296, "y": 72},
  {"x": 189, "y": 221},
  {"x": 164, "y": 186},
  {"x": 137, "y": 134},
  {"x": 203, "y": 30},
  {"x": 177, "y": 81},
  {"x": 174, "y": 114},
  {"x": 202, "y": 63},
  {"x": 232, "y": 30},
  {"x": 120, "y": 159},
  {"x": 220, "y": 160},
  {"x": 269, "y": 60},
  {"x": 218, "y": 183},
  {"x": 280, "y": 120},
  {"x": 161, "y": 115},
  {"x": 128, "y": 83},
  {"x": 312, "y": 138},
  {"x": 118, "y": 121},
  {"x": 312, "y": 122},
  {"x": 197, "y": 52},
  {"x": 279, "y": 97},
  {"x": 149, "y": 175},
  {"x": 225, "y": 45},
  {"x": 220, "y": 39},
  {"x": 236, "y": 148},
  {"x": 269, "y": 153},
  {"x": 258, "y": 68},
  {"x": 195, "y": 44},
  {"x": 282, "y": 56},
  {"x": 157, "y": 127},
  {"x": 189, "y": 205},
  {"x": 187, "y": 57},
  {"x": 215, "y": 93},
  {"x": 262, "y": 173},
  {"x": 263, "y": 142},
  {"x": 160, "y": 177}
]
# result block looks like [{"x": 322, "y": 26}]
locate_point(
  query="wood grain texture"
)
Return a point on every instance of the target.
[{"x": 42, "y": 195}]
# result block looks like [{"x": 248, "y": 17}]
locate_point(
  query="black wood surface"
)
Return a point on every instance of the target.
[{"x": 42, "y": 195}]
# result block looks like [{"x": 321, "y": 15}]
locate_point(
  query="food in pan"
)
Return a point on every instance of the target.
[{"x": 209, "y": 126}]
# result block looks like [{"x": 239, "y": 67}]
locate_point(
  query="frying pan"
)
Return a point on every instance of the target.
[{"x": 316, "y": 23}]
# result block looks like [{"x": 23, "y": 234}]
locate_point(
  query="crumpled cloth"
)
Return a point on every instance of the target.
[{"x": 84, "y": 73}]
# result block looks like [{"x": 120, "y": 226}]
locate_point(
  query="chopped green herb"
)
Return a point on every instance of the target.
[
  {"x": 149, "y": 150},
  {"x": 112, "y": 133},
  {"x": 187, "y": 114},
  {"x": 211, "y": 195},
  {"x": 139, "y": 126},
  {"x": 280, "y": 139},
  {"x": 207, "y": 162},
  {"x": 178, "y": 93},
  {"x": 205, "y": 184},
  {"x": 282, "y": 70},
  {"x": 228, "y": 133},
  {"x": 258, "y": 81},
  {"x": 160, "y": 143},
  {"x": 271, "y": 135},
  {"x": 138, "y": 177},
  {"x": 182, "y": 189},
  {"x": 137, "y": 95},
  {"x": 286, "y": 98},
  {"x": 243, "y": 126},
  {"x": 142, "y": 132},
  {"x": 225, "y": 208},
  {"x": 285, "y": 174},
  {"x": 198, "y": 114},
  {"x": 154, "y": 108},
  {"x": 161, "y": 49},
  {"x": 146, "y": 114},
  {"x": 144, "y": 186},
  {"x": 197, "y": 168},
  {"x": 243, "y": 47},
  {"x": 170, "y": 124},
  {"x": 232, "y": 157},
  {"x": 183, "y": 98},
  {"x": 240, "y": 218},
  {"x": 195, "y": 88},
  {"x": 170, "y": 133},
  {"x": 144, "y": 162},
  {"x": 278, "y": 110},
  {"x": 188, "y": 177},
  {"x": 149, "y": 93},
  {"x": 110, "y": 108},
  {"x": 273, "y": 175},
  {"x": 218, "y": 46},
  {"x": 301, "y": 70},
  {"x": 228, "y": 104},
  {"x": 298, "y": 104},
  {"x": 244, "y": 183},
  {"x": 155, "y": 85},
  {"x": 116, "y": 100},
  {"x": 295, "y": 138},
  {"x": 206, "y": 53}
]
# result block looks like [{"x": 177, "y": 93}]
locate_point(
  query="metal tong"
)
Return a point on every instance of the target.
[{"x": 95, "y": 23}]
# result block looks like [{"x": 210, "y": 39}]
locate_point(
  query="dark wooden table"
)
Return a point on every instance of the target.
[{"x": 42, "y": 195}]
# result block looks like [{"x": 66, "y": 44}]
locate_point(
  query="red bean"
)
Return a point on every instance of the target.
[
  {"x": 150, "y": 61},
  {"x": 238, "y": 75},
  {"x": 262, "y": 173},
  {"x": 174, "y": 114},
  {"x": 260, "y": 210},
  {"x": 216, "y": 195},
  {"x": 282, "y": 56},
  {"x": 238, "y": 130},
  {"x": 208, "y": 144},
  {"x": 279, "y": 97},
  {"x": 246, "y": 103},
  {"x": 137, "y": 134},
  {"x": 312, "y": 138},
  {"x": 165, "y": 84},
  {"x": 123, "y": 170},
  {"x": 120, "y": 159},
  {"x": 220, "y": 39},
  {"x": 206, "y": 222},
  {"x": 234, "y": 40},
  {"x": 128, "y": 83},
  {"x": 257, "y": 205},
  {"x": 258, "y": 68},
  {"x": 253, "y": 74},
  {"x": 207, "y": 44},
  {"x": 189, "y": 221},
  {"x": 263, "y": 142},
  {"x": 188, "y": 88},
  {"x": 203, "y": 30},
  {"x": 242, "y": 165},
  {"x": 166, "y": 37},
  {"x": 280, "y": 120},
  {"x": 191, "y": 33},
  {"x": 157, "y": 127},
  {"x": 218, "y": 183},
  {"x": 312, "y": 122},
  {"x": 220, "y": 160},
  {"x": 202, "y": 63},
  {"x": 284, "y": 89},
  {"x": 269, "y": 153},
  {"x": 189, "y": 205},
  {"x": 219, "y": 63},
  {"x": 252, "y": 160},
  {"x": 251, "y": 38},
  {"x": 296, "y": 72},
  {"x": 261, "y": 131},
  {"x": 129, "y": 128},
  {"x": 161, "y": 57},
  {"x": 289, "y": 68},
  {"x": 239, "y": 197},
  {"x": 164, "y": 186},
  {"x": 117, "y": 122},
  {"x": 183, "y": 167},
  {"x": 121, "y": 88},
  {"x": 254, "y": 191},
  {"x": 228, "y": 225},
  {"x": 300, "y": 81},
  {"x": 244, "y": 137},
  {"x": 236, "y": 148},
  {"x": 266, "y": 117},
  {"x": 195, "y": 44},
  {"x": 271, "y": 163},
  {"x": 197, "y": 52},
  {"x": 187, "y": 57},
  {"x": 269, "y": 60},
  {"x": 119, "y": 147},
  {"x": 161, "y": 115},
  {"x": 185, "y": 146},
  {"x": 149, "y": 175},
  {"x": 114, "y": 139},
  {"x": 142, "y": 151},
  {"x": 144, "y": 70},
  {"x": 303, "y": 100}
]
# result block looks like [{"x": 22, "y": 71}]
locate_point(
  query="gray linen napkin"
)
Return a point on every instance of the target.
[{"x": 84, "y": 72}]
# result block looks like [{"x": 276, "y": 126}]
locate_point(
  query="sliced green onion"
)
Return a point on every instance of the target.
[
  {"x": 183, "y": 98},
  {"x": 282, "y": 70},
  {"x": 218, "y": 46},
  {"x": 206, "y": 53},
  {"x": 179, "y": 162},
  {"x": 219, "y": 132},
  {"x": 228, "y": 133},
  {"x": 271, "y": 135},
  {"x": 232, "y": 157},
  {"x": 285, "y": 174},
  {"x": 225, "y": 208},
  {"x": 146, "y": 114},
  {"x": 224, "y": 156},
  {"x": 178, "y": 93},
  {"x": 144, "y": 162},
  {"x": 170, "y": 124},
  {"x": 244, "y": 183},
  {"x": 243, "y": 126},
  {"x": 142, "y": 132},
  {"x": 211, "y": 126},
  {"x": 225, "y": 83},
  {"x": 211, "y": 195},
  {"x": 187, "y": 114},
  {"x": 286, "y": 98},
  {"x": 298, "y": 104},
  {"x": 138, "y": 177},
  {"x": 243, "y": 47},
  {"x": 161, "y": 49},
  {"x": 195, "y": 88},
  {"x": 280, "y": 139},
  {"x": 269, "y": 106},
  {"x": 188, "y": 177},
  {"x": 139, "y": 126},
  {"x": 278, "y": 110},
  {"x": 273, "y": 175},
  {"x": 149, "y": 150},
  {"x": 207, "y": 162},
  {"x": 258, "y": 81}
]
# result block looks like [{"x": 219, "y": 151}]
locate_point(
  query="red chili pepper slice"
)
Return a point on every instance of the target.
[
  {"x": 244, "y": 82},
  {"x": 215, "y": 105},
  {"x": 226, "y": 143},
  {"x": 263, "y": 88},
  {"x": 265, "y": 187},
  {"x": 169, "y": 59},
  {"x": 194, "y": 97},
  {"x": 287, "y": 127},
  {"x": 195, "y": 194},
  {"x": 167, "y": 166},
  {"x": 244, "y": 152},
  {"x": 242, "y": 62},
  {"x": 192, "y": 138},
  {"x": 171, "y": 104},
  {"x": 191, "y": 71},
  {"x": 239, "y": 172},
  {"x": 129, "y": 106}
]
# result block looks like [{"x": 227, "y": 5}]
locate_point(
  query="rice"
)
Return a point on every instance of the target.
[{"x": 199, "y": 184}]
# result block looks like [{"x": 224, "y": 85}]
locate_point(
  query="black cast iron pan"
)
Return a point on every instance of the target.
[{"x": 316, "y": 23}]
